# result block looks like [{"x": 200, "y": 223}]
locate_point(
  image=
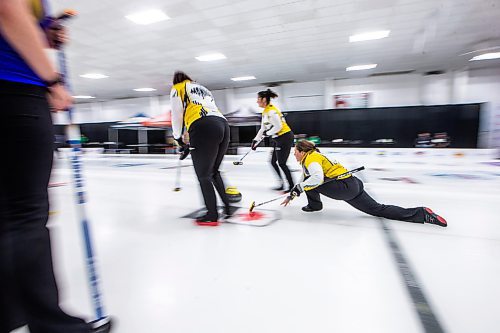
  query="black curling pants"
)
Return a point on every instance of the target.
[
  {"x": 282, "y": 146},
  {"x": 28, "y": 290},
  {"x": 351, "y": 190},
  {"x": 209, "y": 139}
]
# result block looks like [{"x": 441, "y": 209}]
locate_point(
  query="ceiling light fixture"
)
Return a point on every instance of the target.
[
  {"x": 360, "y": 67},
  {"x": 369, "y": 36},
  {"x": 94, "y": 76},
  {"x": 211, "y": 57},
  {"x": 145, "y": 89},
  {"x": 487, "y": 56},
  {"x": 243, "y": 78},
  {"x": 83, "y": 97},
  {"x": 148, "y": 17}
]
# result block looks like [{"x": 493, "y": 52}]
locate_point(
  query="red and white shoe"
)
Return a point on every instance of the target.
[
  {"x": 433, "y": 218},
  {"x": 208, "y": 222}
]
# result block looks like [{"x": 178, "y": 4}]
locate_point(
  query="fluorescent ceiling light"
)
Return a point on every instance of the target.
[
  {"x": 369, "y": 36},
  {"x": 211, "y": 57},
  {"x": 487, "y": 56},
  {"x": 360, "y": 67},
  {"x": 145, "y": 89},
  {"x": 94, "y": 76},
  {"x": 148, "y": 17},
  {"x": 243, "y": 78},
  {"x": 83, "y": 97}
]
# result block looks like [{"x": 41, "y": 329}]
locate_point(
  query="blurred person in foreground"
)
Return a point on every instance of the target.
[
  {"x": 29, "y": 88},
  {"x": 318, "y": 171}
]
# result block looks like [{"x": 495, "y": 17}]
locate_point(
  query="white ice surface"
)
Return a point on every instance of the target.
[{"x": 330, "y": 271}]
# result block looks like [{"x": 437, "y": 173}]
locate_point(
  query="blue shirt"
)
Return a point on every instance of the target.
[{"x": 12, "y": 65}]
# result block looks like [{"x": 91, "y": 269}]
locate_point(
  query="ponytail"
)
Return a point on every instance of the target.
[
  {"x": 180, "y": 76},
  {"x": 267, "y": 94}
]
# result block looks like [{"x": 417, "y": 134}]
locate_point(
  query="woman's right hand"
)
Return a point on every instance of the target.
[
  {"x": 57, "y": 36},
  {"x": 255, "y": 143},
  {"x": 59, "y": 98}
]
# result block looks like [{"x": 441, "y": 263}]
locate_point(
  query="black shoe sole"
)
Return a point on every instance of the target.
[{"x": 311, "y": 210}]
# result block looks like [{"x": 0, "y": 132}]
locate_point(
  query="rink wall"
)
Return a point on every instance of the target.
[
  {"x": 406, "y": 153},
  {"x": 401, "y": 153}
]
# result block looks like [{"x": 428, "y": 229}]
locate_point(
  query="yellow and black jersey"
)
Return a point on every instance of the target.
[
  {"x": 316, "y": 167},
  {"x": 273, "y": 122},
  {"x": 190, "y": 101},
  {"x": 267, "y": 113}
]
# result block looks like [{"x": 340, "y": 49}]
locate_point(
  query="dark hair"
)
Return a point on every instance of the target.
[
  {"x": 267, "y": 94},
  {"x": 306, "y": 146},
  {"x": 180, "y": 76}
]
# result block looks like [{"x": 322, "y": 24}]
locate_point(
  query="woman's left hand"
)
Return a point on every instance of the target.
[
  {"x": 59, "y": 98},
  {"x": 57, "y": 35},
  {"x": 286, "y": 201}
]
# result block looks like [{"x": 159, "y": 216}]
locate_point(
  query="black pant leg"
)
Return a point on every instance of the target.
[
  {"x": 337, "y": 189},
  {"x": 285, "y": 142},
  {"x": 218, "y": 181},
  {"x": 274, "y": 159},
  {"x": 368, "y": 205},
  {"x": 12, "y": 314},
  {"x": 25, "y": 251},
  {"x": 206, "y": 135},
  {"x": 351, "y": 190},
  {"x": 314, "y": 200}
]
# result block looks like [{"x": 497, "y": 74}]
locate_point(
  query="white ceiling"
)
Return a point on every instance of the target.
[{"x": 274, "y": 40}]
